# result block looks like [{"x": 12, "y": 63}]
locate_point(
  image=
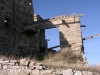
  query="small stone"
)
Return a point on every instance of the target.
[
  {"x": 38, "y": 67},
  {"x": 24, "y": 62},
  {"x": 32, "y": 67},
  {"x": 31, "y": 64},
  {"x": 5, "y": 66}
]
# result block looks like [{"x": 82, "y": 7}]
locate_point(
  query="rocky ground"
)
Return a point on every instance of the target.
[{"x": 25, "y": 67}]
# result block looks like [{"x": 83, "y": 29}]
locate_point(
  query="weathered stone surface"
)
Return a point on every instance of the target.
[
  {"x": 96, "y": 73},
  {"x": 5, "y": 66},
  {"x": 1, "y": 66},
  {"x": 44, "y": 67},
  {"x": 9, "y": 69},
  {"x": 38, "y": 67},
  {"x": 87, "y": 73},
  {"x": 2, "y": 59},
  {"x": 38, "y": 64},
  {"x": 24, "y": 62},
  {"x": 14, "y": 16},
  {"x": 27, "y": 70},
  {"x": 14, "y": 71},
  {"x": 31, "y": 64},
  {"x": 23, "y": 73},
  {"x": 16, "y": 67},
  {"x": 2, "y": 62},
  {"x": 34, "y": 72},
  {"x": 78, "y": 73},
  {"x": 13, "y": 61},
  {"x": 67, "y": 72},
  {"x": 46, "y": 72},
  {"x": 9, "y": 64},
  {"x": 3, "y": 72}
]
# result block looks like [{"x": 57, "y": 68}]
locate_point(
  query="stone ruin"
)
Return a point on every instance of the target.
[
  {"x": 26, "y": 67},
  {"x": 21, "y": 31}
]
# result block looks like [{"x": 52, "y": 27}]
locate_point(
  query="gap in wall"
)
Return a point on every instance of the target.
[{"x": 53, "y": 36}]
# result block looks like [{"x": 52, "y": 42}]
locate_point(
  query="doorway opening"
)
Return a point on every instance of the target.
[{"x": 53, "y": 40}]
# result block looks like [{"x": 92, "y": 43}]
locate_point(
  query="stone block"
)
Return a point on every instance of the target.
[
  {"x": 24, "y": 62},
  {"x": 31, "y": 64},
  {"x": 5, "y": 66},
  {"x": 32, "y": 67},
  {"x": 2, "y": 62},
  {"x": 38, "y": 67}
]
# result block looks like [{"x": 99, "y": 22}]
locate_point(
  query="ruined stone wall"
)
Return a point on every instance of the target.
[
  {"x": 71, "y": 36},
  {"x": 70, "y": 33},
  {"x": 15, "y": 15}
]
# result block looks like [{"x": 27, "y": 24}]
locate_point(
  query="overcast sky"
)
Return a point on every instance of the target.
[{"x": 91, "y": 9}]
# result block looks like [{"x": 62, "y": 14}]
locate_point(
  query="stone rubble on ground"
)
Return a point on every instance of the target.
[{"x": 25, "y": 67}]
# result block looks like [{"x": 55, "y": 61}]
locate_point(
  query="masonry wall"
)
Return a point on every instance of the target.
[
  {"x": 15, "y": 15},
  {"x": 70, "y": 33}
]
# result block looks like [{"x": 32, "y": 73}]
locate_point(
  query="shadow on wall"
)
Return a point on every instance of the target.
[{"x": 63, "y": 41}]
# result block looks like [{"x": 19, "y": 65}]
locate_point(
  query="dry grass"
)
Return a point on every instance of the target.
[
  {"x": 63, "y": 59},
  {"x": 95, "y": 68}
]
